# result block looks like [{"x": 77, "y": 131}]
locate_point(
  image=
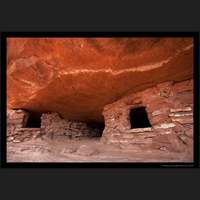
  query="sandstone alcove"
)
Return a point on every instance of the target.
[
  {"x": 116, "y": 99},
  {"x": 139, "y": 118}
]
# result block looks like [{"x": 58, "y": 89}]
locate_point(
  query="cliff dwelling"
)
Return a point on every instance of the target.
[{"x": 100, "y": 99}]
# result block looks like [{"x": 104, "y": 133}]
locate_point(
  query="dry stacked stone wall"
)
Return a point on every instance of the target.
[
  {"x": 16, "y": 122},
  {"x": 54, "y": 125},
  {"x": 169, "y": 107},
  {"x": 51, "y": 125}
]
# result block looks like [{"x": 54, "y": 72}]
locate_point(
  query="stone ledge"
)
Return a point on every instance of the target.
[
  {"x": 165, "y": 125},
  {"x": 181, "y": 109},
  {"x": 29, "y": 129},
  {"x": 143, "y": 135},
  {"x": 180, "y": 114},
  {"x": 139, "y": 130}
]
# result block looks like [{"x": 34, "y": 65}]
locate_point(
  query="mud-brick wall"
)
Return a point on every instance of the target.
[
  {"x": 169, "y": 107},
  {"x": 54, "y": 125}
]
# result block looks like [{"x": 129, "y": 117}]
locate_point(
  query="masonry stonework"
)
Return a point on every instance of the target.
[
  {"x": 169, "y": 107},
  {"x": 51, "y": 125},
  {"x": 54, "y": 125}
]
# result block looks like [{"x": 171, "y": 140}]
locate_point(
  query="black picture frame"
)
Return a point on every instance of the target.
[{"x": 3, "y": 155}]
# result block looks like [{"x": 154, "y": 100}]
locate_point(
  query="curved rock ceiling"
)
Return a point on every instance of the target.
[{"x": 77, "y": 77}]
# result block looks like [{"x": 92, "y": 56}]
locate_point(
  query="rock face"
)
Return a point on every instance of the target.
[{"x": 77, "y": 77}]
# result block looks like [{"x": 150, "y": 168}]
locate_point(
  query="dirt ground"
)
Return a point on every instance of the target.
[{"x": 85, "y": 150}]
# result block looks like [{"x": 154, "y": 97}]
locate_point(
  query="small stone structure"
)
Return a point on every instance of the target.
[
  {"x": 51, "y": 125},
  {"x": 16, "y": 121},
  {"x": 168, "y": 106}
]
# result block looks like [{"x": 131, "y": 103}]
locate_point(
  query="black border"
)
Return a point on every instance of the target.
[{"x": 4, "y": 164}]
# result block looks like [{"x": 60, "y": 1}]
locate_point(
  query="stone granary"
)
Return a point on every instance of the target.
[
  {"x": 124, "y": 91},
  {"x": 158, "y": 117},
  {"x": 22, "y": 127}
]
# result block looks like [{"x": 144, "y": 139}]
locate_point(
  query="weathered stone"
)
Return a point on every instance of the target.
[
  {"x": 184, "y": 109},
  {"x": 157, "y": 112},
  {"x": 160, "y": 119},
  {"x": 165, "y": 125},
  {"x": 53, "y": 123},
  {"x": 69, "y": 150},
  {"x": 163, "y": 148},
  {"x": 180, "y": 114},
  {"x": 183, "y": 120},
  {"x": 165, "y": 92},
  {"x": 110, "y": 141},
  {"x": 170, "y": 142},
  {"x": 188, "y": 130},
  {"x": 141, "y": 141},
  {"x": 16, "y": 140},
  {"x": 15, "y": 121},
  {"x": 183, "y": 86},
  {"x": 185, "y": 138},
  {"x": 136, "y": 130},
  {"x": 10, "y": 138},
  {"x": 127, "y": 136},
  {"x": 166, "y": 131},
  {"x": 86, "y": 151}
]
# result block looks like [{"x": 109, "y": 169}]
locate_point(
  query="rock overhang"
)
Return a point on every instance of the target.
[{"x": 77, "y": 77}]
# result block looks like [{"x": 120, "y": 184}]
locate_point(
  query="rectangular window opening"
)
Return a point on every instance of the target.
[{"x": 139, "y": 118}]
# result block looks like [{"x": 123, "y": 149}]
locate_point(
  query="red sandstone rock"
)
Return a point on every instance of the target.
[
  {"x": 170, "y": 142},
  {"x": 80, "y": 78},
  {"x": 86, "y": 151},
  {"x": 77, "y": 77},
  {"x": 168, "y": 123}
]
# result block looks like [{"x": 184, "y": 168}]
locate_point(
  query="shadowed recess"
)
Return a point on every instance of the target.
[
  {"x": 33, "y": 121},
  {"x": 139, "y": 118}
]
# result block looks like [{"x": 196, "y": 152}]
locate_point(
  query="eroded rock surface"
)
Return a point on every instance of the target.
[
  {"x": 77, "y": 77},
  {"x": 91, "y": 150}
]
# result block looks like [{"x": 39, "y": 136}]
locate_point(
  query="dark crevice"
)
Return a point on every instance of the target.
[{"x": 97, "y": 126}]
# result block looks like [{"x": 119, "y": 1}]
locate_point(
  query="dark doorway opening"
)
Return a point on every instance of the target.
[
  {"x": 139, "y": 118},
  {"x": 33, "y": 121},
  {"x": 98, "y": 128}
]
